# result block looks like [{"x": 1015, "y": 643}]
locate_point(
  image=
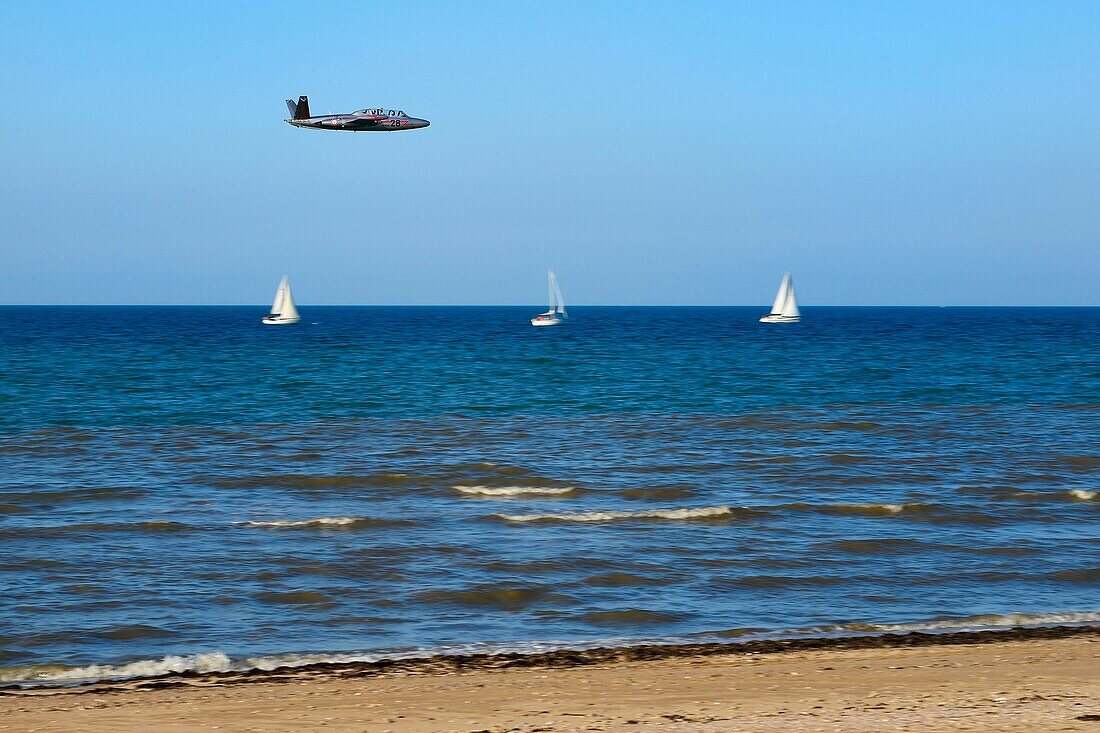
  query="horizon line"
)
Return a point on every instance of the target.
[{"x": 531, "y": 305}]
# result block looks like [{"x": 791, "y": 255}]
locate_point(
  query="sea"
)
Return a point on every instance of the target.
[{"x": 183, "y": 488}]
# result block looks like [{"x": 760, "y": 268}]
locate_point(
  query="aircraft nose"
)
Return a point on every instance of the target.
[{"x": 422, "y": 123}]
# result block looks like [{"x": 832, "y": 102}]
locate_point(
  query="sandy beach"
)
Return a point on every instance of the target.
[{"x": 1046, "y": 679}]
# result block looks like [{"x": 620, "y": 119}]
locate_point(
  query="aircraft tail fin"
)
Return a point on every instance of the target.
[{"x": 299, "y": 111}]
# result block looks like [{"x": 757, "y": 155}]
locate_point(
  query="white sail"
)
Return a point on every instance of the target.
[
  {"x": 781, "y": 294},
  {"x": 280, "y": 297},
  {"x": 289, "y": 310},
  {"x": 785, "y": 307},
  {"x": 790, "y": 303},
  {"x": 557, "y": 302}
]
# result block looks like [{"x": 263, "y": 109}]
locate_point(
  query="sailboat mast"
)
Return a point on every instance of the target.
[{"x": 790, "y": 303}]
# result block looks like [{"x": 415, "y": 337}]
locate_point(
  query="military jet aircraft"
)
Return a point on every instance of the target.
[{"x": 365, "y": 120}]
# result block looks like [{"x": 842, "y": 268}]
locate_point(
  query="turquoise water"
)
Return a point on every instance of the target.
[{"x": 187, "y": 482}]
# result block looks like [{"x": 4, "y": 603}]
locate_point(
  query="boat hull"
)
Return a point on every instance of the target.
[
  {"x": 280, "y": 321},
  {"x": 546, "y": 321},
  {"x": 774, "y": 318}
]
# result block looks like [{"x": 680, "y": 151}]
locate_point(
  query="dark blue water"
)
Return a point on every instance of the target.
[{"x": 185, "y": 481}]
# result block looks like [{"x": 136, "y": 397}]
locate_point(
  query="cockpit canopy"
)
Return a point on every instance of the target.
[{"x": 380, "y": 111}]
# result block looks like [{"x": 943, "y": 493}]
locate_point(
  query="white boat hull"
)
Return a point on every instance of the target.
[
  {"x": 540, "y": 321},
  {"x": 776, "y": 318},
  {"x": 268, "y": 321}
]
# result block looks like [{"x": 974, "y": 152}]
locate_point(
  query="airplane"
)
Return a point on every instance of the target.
[{"x": 365, "y": 120}]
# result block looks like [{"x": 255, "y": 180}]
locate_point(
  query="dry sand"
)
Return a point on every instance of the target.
[{"x": 1001, "y": 683}]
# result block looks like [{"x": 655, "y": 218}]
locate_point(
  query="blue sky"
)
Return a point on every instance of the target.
[{"x": 653, "y": 153}]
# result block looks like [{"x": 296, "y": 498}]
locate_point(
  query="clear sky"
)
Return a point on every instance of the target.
[{"x": 652, "y": 153}]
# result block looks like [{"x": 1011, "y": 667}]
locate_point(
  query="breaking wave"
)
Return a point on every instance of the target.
[
  {"x": 219, "y": 662},
  {"x": 512, "y": 491},
  {"x": 968, "y": 623},
  {"x": 348, "y": 522},
  {"x": 929, "y": 512},
  {"x": 870, "y": 510},
  {"x": 1083, "y": 494},
  {"x": 686, "y": 513},
  {"x": 200, "y": 663}
]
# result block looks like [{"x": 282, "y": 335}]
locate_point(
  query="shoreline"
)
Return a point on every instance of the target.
[
  {"x": 1009, "y": 681},
  {"x": 444, "y": 664}
]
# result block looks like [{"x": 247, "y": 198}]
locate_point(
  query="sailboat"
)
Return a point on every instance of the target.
[
  {"x": 556, "y": 315},
  {"x": 785, "y": 307},
  {"x": 283, "y": 311}
]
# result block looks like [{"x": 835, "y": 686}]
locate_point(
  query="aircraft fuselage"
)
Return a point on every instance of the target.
[
  {"x": 371, "y": 119},
  {"x": 375, "y": 121}
]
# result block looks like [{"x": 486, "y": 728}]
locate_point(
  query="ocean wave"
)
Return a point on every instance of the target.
[
  {"x": 91, "y": 529},
  {"x": 512, "y": 491},
  {"x": 297, "y": 597},
  {"x": 505, "y": 598},
  {"x": 214, "y": 662},
  {"x": 628, "y": 617},
  {"x": 684, "y": 513},
  {"x": 621, "y": 579},
  {"x": 1081, "y": 575},
  {"x": 898, "y": 546},
  {"x": 969, "y": 623},
  {"x": 133, "y": 631},
  {"x": 778, "y": 581},
  {"x": 545, "y": 566},
  {"x": 658, "y": 493},
  {"x": 77, "y": 495},
  {"x": 877, "y": 546},
  {"x": 847, "y": 458},
  {"x": 1080, "y": 463},
  {"x": 915, "y": 510},
  {"x": 197, "y": 663},
  {"x": 851, "y": 425},
  {"x": 872, "y": 510},
  {"x": 313, "y": 481},
  {"x": 347, "y": 522},
  {"x": 1012, "y": 493}
]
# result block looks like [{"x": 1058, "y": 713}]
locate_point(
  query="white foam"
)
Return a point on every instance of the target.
[
  {"x": 891, "y": 508},
  {"x": 507, "y": 491},
  {"x": 1083, "y": 494},
  {"x": 682, "y": 513},
  {"x": 318, "y": 522},
  {"x": 985, "y": 621},
  {"x": 211, "y": 662},
  {"x": 219, "y": 662}
]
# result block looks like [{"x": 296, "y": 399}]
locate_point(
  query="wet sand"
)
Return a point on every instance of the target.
[{"x": 1015, "y": 680}]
